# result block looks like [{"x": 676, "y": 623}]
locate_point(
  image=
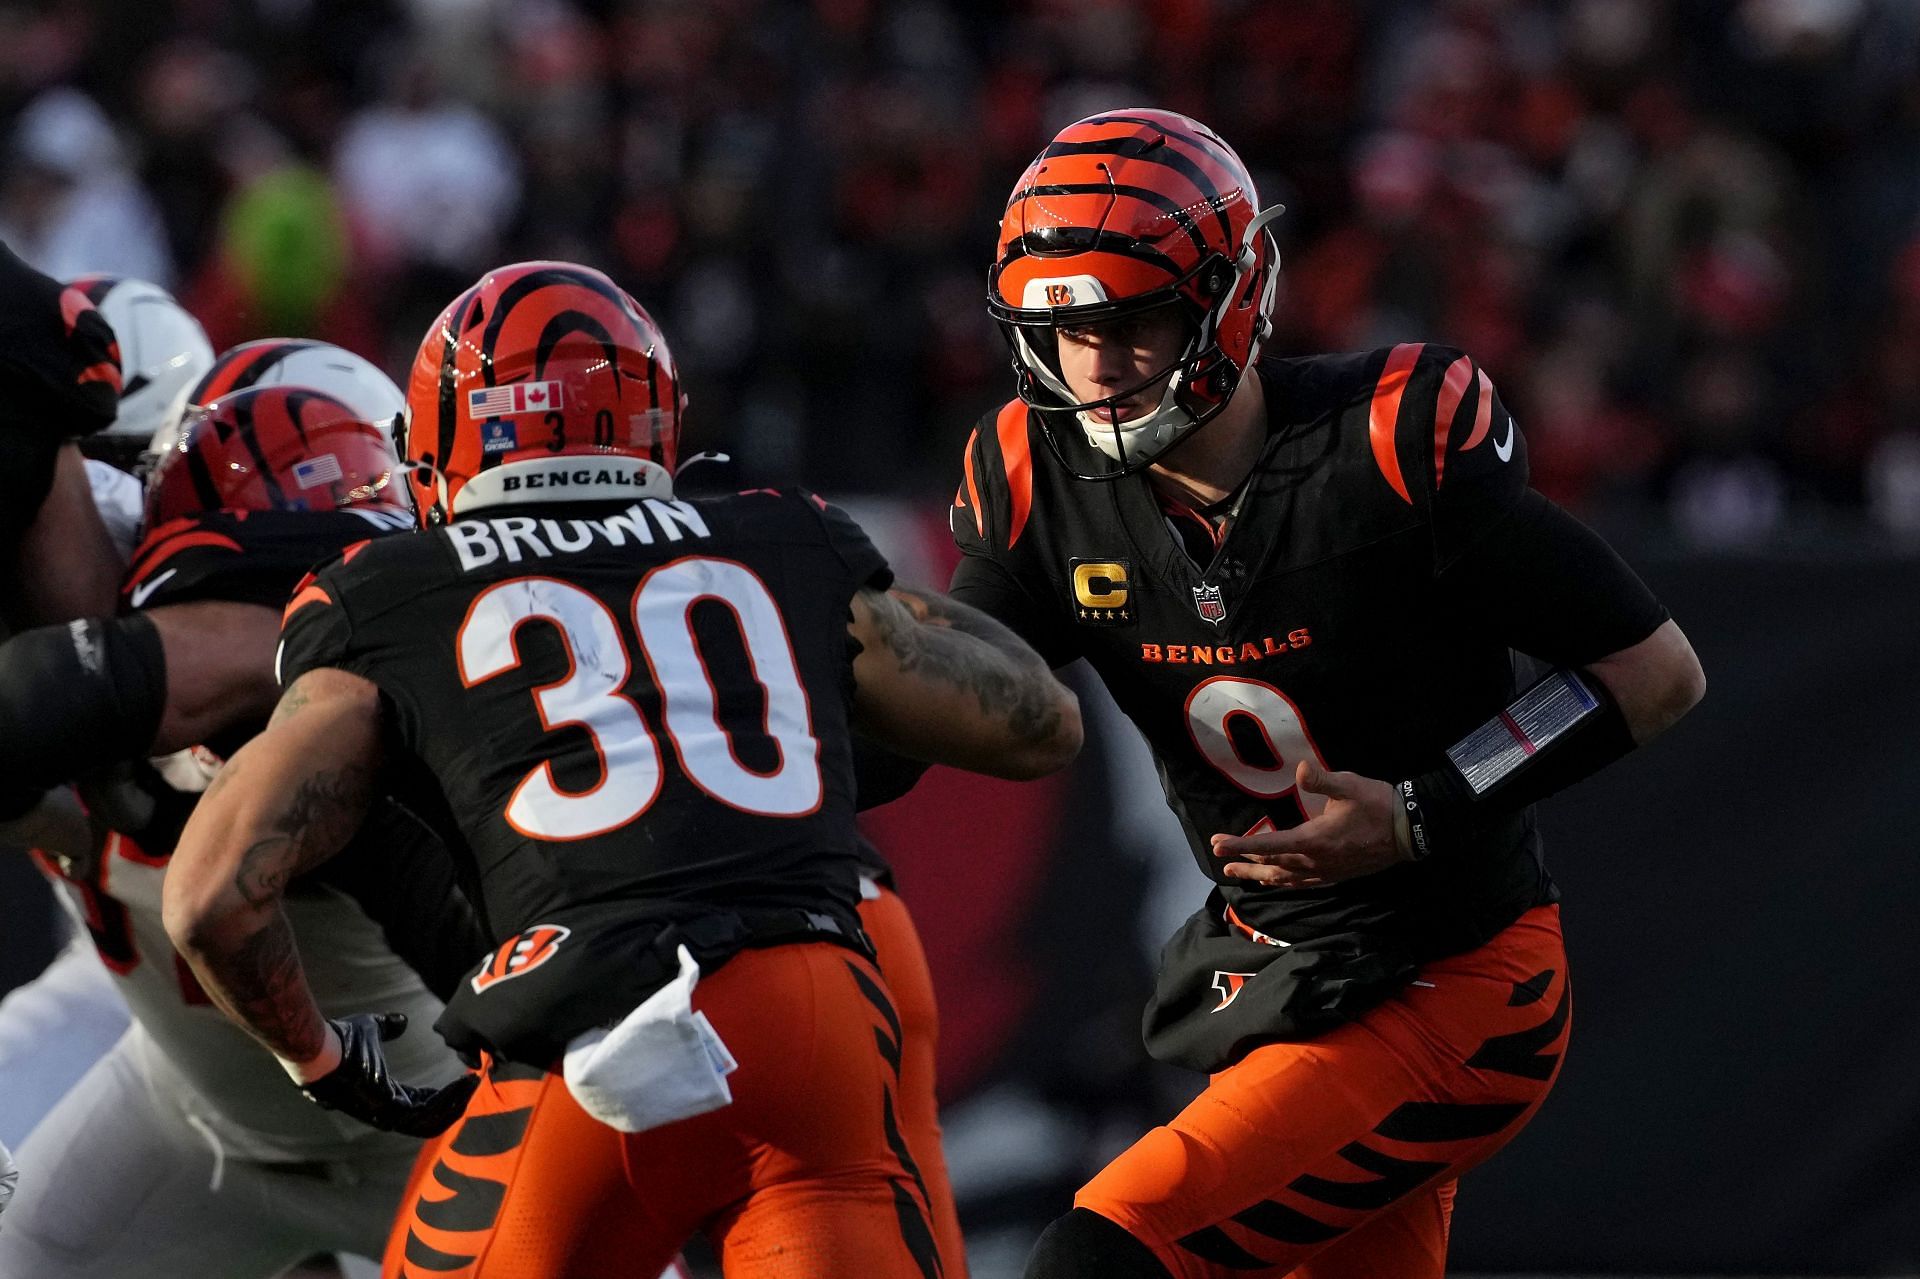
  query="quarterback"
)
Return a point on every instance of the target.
[{"x": 1304, "y": 581}]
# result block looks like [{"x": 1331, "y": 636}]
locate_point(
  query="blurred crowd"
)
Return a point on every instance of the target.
[{"x": 1682, "y": 235}]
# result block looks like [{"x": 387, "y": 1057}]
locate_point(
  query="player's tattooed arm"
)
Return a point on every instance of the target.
[
  {"x": 287, "y": 801},
  {"x": 939, "y": 681}
]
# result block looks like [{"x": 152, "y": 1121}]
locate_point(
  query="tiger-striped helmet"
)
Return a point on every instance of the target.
[
  {"x": 319, "y": 366},
  {"x": 1122, "y": 213},
  {"x": 275, "y": 448},
  {"x": 535, "y": 368}
]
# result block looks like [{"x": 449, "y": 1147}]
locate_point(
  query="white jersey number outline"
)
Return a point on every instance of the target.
[
  {"x": 590, "y": 695},
  {"x": 1211, "y": 709}
]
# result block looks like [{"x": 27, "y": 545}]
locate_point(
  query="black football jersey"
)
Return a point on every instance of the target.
[
  {"x": 1329, "y": 620},
  {"x": 394, "y": 868},
  {"x": 631, "y": 716}
]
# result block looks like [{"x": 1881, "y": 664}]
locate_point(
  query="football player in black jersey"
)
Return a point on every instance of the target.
[
  {"x": 632, "y": 714},
  {"x": 1303, "y": 580},
  {"x": 59, "y": 380},
  {"x": 183, "y": 1132}
]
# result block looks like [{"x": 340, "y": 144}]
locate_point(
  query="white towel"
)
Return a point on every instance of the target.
[{"x": 663, "y": 1063}]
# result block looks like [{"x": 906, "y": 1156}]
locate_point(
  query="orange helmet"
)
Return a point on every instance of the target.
[
  {"x": 535, "y": 367},
  {"x": 1125, "y": 212},
  {"x": 274, "y": 448}
]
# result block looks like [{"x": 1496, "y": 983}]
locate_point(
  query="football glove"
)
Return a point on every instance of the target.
[{"x": 362, "y": 1087}]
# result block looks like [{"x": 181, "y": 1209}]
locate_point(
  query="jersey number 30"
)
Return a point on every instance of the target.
[{"x": 591, "y": 696}]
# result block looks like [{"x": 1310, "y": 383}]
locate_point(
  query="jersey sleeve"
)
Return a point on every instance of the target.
[
  {"x": 991, "y": 512},
  {"x": 1544, "y": 583},
  {"x": 316, "y": 629},
  {"x": 1452, "y": 450},
  {"x": 258, "y": 558},
  {"x": 865, "y": 564}
]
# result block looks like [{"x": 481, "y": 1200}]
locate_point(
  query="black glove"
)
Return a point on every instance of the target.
[{"x": 360, "y": 1085}]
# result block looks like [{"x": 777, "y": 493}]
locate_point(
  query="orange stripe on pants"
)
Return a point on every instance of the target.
[
  {"x": 801, "y": 1177},
  {"x": 1335, "y": 1158},
  {"x": 903, "y": 963}
]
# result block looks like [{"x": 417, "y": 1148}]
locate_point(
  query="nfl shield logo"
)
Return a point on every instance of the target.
[
  {"x": 499, "y": 437},
  {"x": 1212, "y": 608}
]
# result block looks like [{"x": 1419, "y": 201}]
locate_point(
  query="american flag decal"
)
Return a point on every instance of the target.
[
  {"x": 521, "y": 397},
  {"x": 312, "y": 472}
]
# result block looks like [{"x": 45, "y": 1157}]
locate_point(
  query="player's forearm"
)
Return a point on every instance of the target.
[
  {"x": 944, "y": 683},
  {"x": 286, "y": 802},
  {"x": 221, "y": 906},
  {"x": 247, "y": 962},
  {"x": 219, "y": 669}
]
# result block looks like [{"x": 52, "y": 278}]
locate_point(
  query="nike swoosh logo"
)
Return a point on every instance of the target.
[
  {"x": 1505, "y": 447},
  {"x": 141, "y": 593}
]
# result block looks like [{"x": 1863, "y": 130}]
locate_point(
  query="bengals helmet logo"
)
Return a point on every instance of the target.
[
  {"x": 520, "y": 955},
  {"x": 1229, "y": 985},
  {"x": 1059, "y": 295}
]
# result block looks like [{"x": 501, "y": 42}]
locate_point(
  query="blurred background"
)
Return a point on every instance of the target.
[{"x": 1684, "y": 238}]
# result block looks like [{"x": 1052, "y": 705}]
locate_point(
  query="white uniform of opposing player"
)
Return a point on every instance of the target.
[{"x": 186, "y": 1151}]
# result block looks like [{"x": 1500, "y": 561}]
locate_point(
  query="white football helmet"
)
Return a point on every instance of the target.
[
  {"x": 163, "y": 351},
  {"x": 322, "y": 366}
]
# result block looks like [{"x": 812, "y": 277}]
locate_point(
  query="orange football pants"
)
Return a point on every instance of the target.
[
  {"x": 778, "y": 1216},
  {"x": 1336, "y": 1158}
]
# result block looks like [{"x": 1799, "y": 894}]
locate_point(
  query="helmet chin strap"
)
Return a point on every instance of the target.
[{"x": 1124, "y": 441}]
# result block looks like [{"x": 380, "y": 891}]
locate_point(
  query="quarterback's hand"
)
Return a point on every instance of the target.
[
  {"x": 1352, "y": 836},
  {"x": 362, "y": 1087}
]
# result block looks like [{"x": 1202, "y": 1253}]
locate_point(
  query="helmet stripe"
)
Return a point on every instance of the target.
[
  {"x": 1151, "y": 151},
  {"x": 1105, "y": 242},
  {"x": 530, "y": 283},
  {"x": 204, "y": 489},
  {"x": 250, "y": 436},
  {"x": 1166, "y": 204},
  {"x": 566, "y": 322}
]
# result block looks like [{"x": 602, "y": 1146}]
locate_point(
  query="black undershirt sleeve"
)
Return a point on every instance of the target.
[
  {"x": 1542, "y": 582},
  {"x": 989, "y": 586}
]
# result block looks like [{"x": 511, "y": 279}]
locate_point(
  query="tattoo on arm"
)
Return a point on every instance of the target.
[
  {"x": 261, "y": 985},
  {"x": 1010, "y": 680},
  {"x": 290, "y": 703},
  {"x": 322, "y": 815}
]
